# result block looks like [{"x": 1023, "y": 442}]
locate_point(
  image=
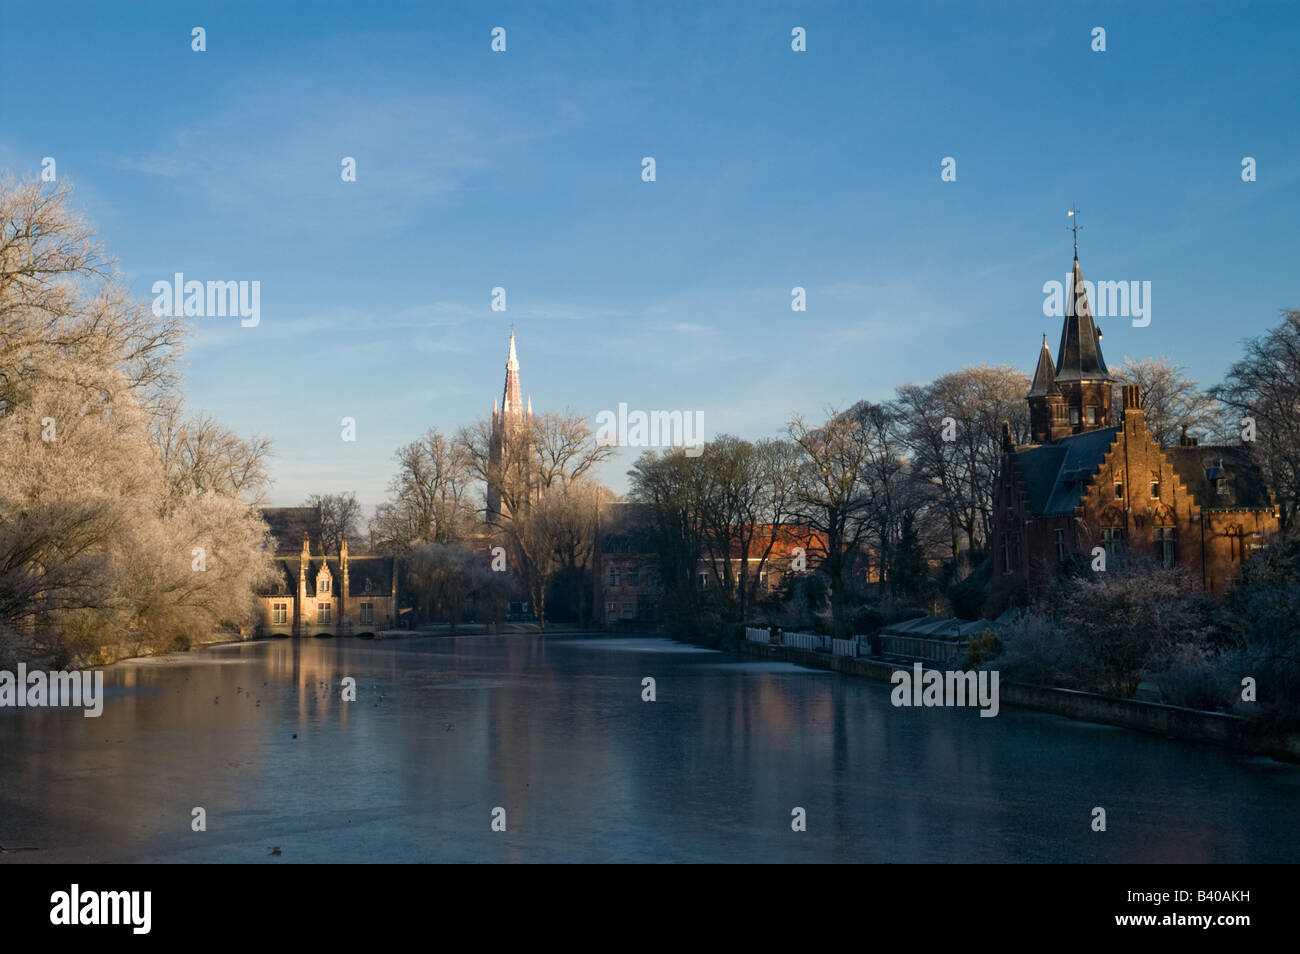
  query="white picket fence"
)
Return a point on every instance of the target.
[
  {"x": 811, "y": 641},
  {"x": 914, "y": 647},
  {"x": 801, "y": 641},
  {"x": 844, "y": 647}
]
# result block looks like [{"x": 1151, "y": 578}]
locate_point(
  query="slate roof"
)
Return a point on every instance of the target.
[
  {"x": 1044, "y": 375},
  {"x": 377, "y": 571},
  {"x": 1198, "y": 466},
  {"x": 930, "y": 627},
  {"x": 285, "y": 583},
  {"x": 1079, "y": 357},
  {"x": 287, "y": 526},
  {"x": 1056, "y": 475}
]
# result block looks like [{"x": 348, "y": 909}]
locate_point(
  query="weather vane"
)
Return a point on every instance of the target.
[{"x": 1074, "y": 228}]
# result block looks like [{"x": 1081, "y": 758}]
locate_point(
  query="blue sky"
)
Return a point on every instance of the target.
[{"x": 774, "y": 169}]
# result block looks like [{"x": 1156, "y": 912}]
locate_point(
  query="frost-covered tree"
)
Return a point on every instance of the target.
[{"x": 124, "y": 526}]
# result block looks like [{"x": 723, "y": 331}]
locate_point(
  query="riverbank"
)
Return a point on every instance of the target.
[{"x": 1172, "y": 722}]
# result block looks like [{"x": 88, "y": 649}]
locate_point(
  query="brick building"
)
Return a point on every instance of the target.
[
  {"x": 627, "y": 581},
  {"x": 1088, "y": 482},
  {"x": 321, "y": 595},
  {"x": 627, "y": 576}
]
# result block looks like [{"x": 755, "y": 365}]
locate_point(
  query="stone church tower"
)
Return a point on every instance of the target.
[
  {"x": 509, "y": 452},
  {"x": 1074, "y": 396}
]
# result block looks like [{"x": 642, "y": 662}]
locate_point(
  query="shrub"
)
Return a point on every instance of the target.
[
  {"x": 1036, "y": 649},
  {"x": 1264, "y": 621},
  {"x": 1199, "y": 678},
  {"x": 868, "y": 619},
  {"x": 1127, "y": 624},
  {"x": 982, "y": 648}
]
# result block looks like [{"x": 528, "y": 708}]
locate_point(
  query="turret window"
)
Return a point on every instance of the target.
[
  {"x": 1074, "y": 415},
  {"x": 1092, "y": 415},
  {"x": 1155, "y": 490},
  {"x": 1119, "y": 490}
]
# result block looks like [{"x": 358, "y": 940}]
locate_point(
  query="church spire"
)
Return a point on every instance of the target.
[
  {"x": 1079, "y": 357},
  {"x": 1074, "y": 396},
  {"x": 511, "y": 404}
]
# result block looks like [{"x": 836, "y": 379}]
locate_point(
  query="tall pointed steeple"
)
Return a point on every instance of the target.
[
  {"x": 508, "y": 459},
  {"x": 1079, "y": 357},
  {"x": 511, "y": 404},
  {"x": 1075, "y": 395}
]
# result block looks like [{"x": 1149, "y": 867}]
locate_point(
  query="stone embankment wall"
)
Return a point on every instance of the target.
[{"x": 1170, "y": 721}]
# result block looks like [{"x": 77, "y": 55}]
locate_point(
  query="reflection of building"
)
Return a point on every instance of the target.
[
  {"x": 1089, "y": 483},
  {"x": 323, "y": 596},
  {"x": 509, "y": 454}
]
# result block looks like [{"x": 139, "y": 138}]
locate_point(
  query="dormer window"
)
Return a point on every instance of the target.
[
  {"x": 324, "y": 586},
  {"x": 1119, "y": 490},
  {"x": 1219, "y": 477}
]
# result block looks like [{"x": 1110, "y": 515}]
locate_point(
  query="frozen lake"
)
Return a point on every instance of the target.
[{"x": 554, "y": 730}]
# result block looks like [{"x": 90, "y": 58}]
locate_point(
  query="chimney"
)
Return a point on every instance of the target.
[
  {"x": 1185, "y": 441},
  {"x": 300, "y": 604},
  {"x": 1132, "y": 397},
  {"x": 342, "y": 593}
]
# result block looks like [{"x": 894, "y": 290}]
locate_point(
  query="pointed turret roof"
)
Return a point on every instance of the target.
[
  {"x": 1079, "y": 357},
  {"x": 1044, "y": 375}
]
